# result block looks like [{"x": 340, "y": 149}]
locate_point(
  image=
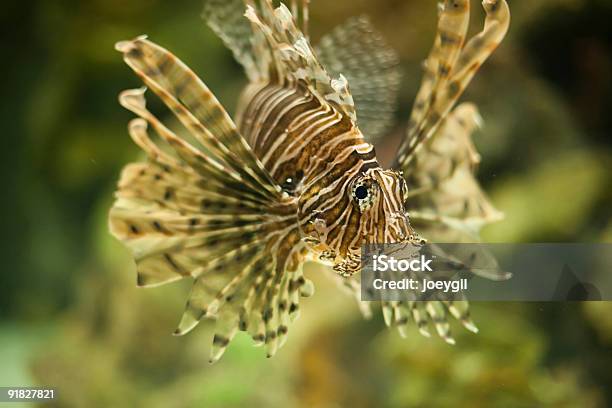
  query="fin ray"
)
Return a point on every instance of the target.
[{"x": 450, "y": 67}]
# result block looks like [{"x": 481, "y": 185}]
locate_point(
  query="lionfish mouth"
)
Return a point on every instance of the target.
[
  {"x": 401, "y": 231},
  {"x": 348, "y": 267},
  {"x": 352, "y": 263}
]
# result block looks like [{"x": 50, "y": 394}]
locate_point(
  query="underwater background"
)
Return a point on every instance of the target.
[{"x": 72, "y": 317}]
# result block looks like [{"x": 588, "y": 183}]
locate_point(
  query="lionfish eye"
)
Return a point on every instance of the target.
[{"x": 361, "y": 192}]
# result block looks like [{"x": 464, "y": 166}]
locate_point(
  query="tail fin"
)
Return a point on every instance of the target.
[{"x": 209, "y": 212}]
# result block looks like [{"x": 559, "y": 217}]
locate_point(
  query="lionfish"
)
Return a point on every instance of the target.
[{"x": 240, "y": 205}]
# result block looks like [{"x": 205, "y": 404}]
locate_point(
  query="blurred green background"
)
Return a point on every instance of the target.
[{"x": 72, "y": 317}]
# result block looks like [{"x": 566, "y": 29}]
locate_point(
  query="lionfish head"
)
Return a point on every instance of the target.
[{"x": 372, "y": 212}]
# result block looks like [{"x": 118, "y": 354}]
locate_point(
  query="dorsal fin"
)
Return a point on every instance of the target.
[
  {"x": 226, "y": 19},
  {"x": 271, "y": 47},
  {"x": 356, "y": 50},
  {"x": 293, "y": 59}
]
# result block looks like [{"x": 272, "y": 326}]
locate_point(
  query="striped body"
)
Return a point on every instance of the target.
[{"x": 318, "y": 155}]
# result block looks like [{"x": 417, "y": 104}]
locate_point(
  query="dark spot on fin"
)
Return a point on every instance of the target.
[
  {"x": 172, "y": 263},
  {"x": 220, "y": 340},
  {"x": 140, "y": 280}
]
